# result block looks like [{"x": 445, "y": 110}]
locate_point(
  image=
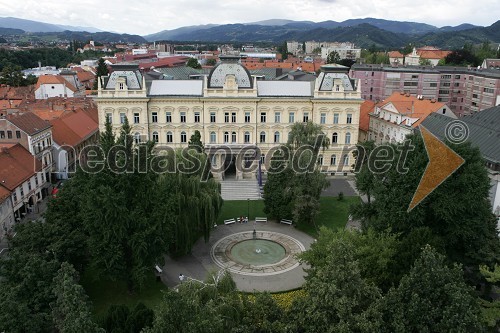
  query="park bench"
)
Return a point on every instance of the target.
[
  {"x": 229, "y": 221},
  {"x": 261, "y": 219},
  {"x": 289, "y": 222},
  {"x": 243, "y": 219}
]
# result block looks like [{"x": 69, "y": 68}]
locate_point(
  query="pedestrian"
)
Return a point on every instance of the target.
[{"x": 181, "y": 277}]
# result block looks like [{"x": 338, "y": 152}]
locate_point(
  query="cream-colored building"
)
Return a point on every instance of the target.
[{"x": 235, "y": 113}]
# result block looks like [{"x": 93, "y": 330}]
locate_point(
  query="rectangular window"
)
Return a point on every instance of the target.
[
  {"x": 433, "y": 84},
  {"x": 183, "y": 117},
  {"x": 306, "y": 117},
  {"x": 335, "y": 118},
  {"x": 2, "y": 134},
  {"x": 226, "y": 117},
  {"x": 121, "y": 86},
  {"x": 233, "y": 117},
  {"x": 247, "y": 117},
  {"x": 29, "y": 185},
  {"x": 444, "y": 92},
  {"x": 9, "y": 134},
  {"x": 14, "y": 196},
  {"x": 322, "y": 119},
  {"x": 136, "y": 118},
  {"x": 262, "y": 117},
  {"x": 122, "y": 118},
  {"x": 110, "y": 117},
  {"x": 457, "y": 77},
  {"x": 36, "y": 180},
  {"x": 291, "y": 117},
  {"x": 196, "y": 117},
  {"x": 247, "y": 137},
  {"x": 277, "y": 117},
  {"x": 212, "y": 117},
  {"x": 349, "y": 118},
  {"x": 18, "y": 134},
  {"x": 154, "y": 117},
  {"x": 168, "y": 117}
]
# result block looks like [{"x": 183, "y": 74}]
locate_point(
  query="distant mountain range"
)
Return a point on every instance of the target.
[
  {"x": 363, "y": 32},
  {"x": 35, "y": 26}
]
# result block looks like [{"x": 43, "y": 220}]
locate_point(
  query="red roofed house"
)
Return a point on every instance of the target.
[
  {"x": 54, "y": 86},
  {"x": 21, "y": 176},
  {"x": 34, "y": 134},
  {"x": 364, "y": 119},
  {"x": 397, "y": 116},
  {"x": 72, "y": 133},
  {"x": 395, "y": 57},
  {"x": 428, "y": 53}
]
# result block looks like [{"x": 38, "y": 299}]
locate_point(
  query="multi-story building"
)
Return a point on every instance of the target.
[
  {"x": 294, "y": 47},
  {"x": 6, "y": 212},
  {"x": 392, "y": 119},
  {"x": 464, "y": 90},
  {"x": 72, "y": 133},
  {"x": 21, "y": 176},
  {"x": 345, "y": 50},
  {"x": 34, "y": 134},
  {"x": 49, "y": 86},
  {"x": 234, "y": 111}
]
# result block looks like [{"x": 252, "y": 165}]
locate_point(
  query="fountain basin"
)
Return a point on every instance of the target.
[
  {"x": 237, "y": 253},
  {"x": 257, "y": 252}
]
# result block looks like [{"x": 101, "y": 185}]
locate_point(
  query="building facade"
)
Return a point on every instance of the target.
[
  {"x": 397, "y": 116},
  {"x": 234, "y": 112},
  {"x": 35, "y": 135},
  {"x": 464, "y": 90}
]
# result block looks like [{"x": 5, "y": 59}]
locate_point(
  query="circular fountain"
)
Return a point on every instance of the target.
[{"x": 257, "y": 253}]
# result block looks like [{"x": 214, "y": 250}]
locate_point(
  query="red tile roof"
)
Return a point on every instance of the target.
[
  {"x": 4, "y": 193},
  {"x": 412, "y": 106},
  {"x": 85, "y": 76},
  {"x": 16, "y": 166},
  {"x": 28, "y": 122},
  {"x": 165, "y": 62},
  {"x": 364, "y": 118},
  {"x": 395, "y": 54},
  {"x": 74, "y": 128},
  {"x": 54, "y": 79}
]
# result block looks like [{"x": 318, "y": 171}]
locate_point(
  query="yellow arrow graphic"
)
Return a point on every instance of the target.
[{"x": 443, "y": 162}]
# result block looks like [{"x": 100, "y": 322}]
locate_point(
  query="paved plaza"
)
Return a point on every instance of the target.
[{"x": 200, "y": 262}]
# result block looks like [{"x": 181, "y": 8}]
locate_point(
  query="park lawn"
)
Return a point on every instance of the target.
[
  {"x": 104, "y": 293},
  {"x": 237, "y": 208},
  {"x": 333, "y": 214}
]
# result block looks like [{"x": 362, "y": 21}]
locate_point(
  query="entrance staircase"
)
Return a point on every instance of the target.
[{"x": 232, "y": 189}]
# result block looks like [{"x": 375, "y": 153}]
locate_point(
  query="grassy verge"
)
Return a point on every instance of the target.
[
  {"x": 237, "y": 208},
  {"x": 104, "y": 293},
  {"x": 333, "y": 214}
]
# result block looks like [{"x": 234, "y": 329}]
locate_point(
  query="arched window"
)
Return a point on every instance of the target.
[
  {"x": 348, "y": 138},
  {"x": 247, "y": 137},
  {"x": 226, "y": 137},
  {"x": 320, "y": 160},
  {"x": 335, "y": 137},
  {"x": 183, "y": 137},
  {"x": 333, "y": 159},
  {"x": 262, "y": 137},
  {"x": 137, "y": 138},
  {"x": 233, "y": 137},
  {"x": 155, "y": 137},
  {"x": 213, "y": 137},
  {"x": 346, "y": 159},
  {"x": 170, "y": 137},
  {"x": 276, "y": 137}
]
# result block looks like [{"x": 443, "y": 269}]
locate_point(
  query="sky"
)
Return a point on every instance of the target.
[{"x": 144, "y": 17}]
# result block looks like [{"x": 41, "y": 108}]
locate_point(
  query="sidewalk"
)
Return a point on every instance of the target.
[{"x": 36, "y": 215}]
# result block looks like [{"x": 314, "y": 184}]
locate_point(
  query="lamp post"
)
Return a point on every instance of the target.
[{"x": 248, "y": 208}]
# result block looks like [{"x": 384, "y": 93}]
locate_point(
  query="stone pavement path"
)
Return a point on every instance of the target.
[{"x": 198, "y": 264}]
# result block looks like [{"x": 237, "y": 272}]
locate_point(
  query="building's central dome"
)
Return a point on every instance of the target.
[{"x": 218, "y": 75}]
